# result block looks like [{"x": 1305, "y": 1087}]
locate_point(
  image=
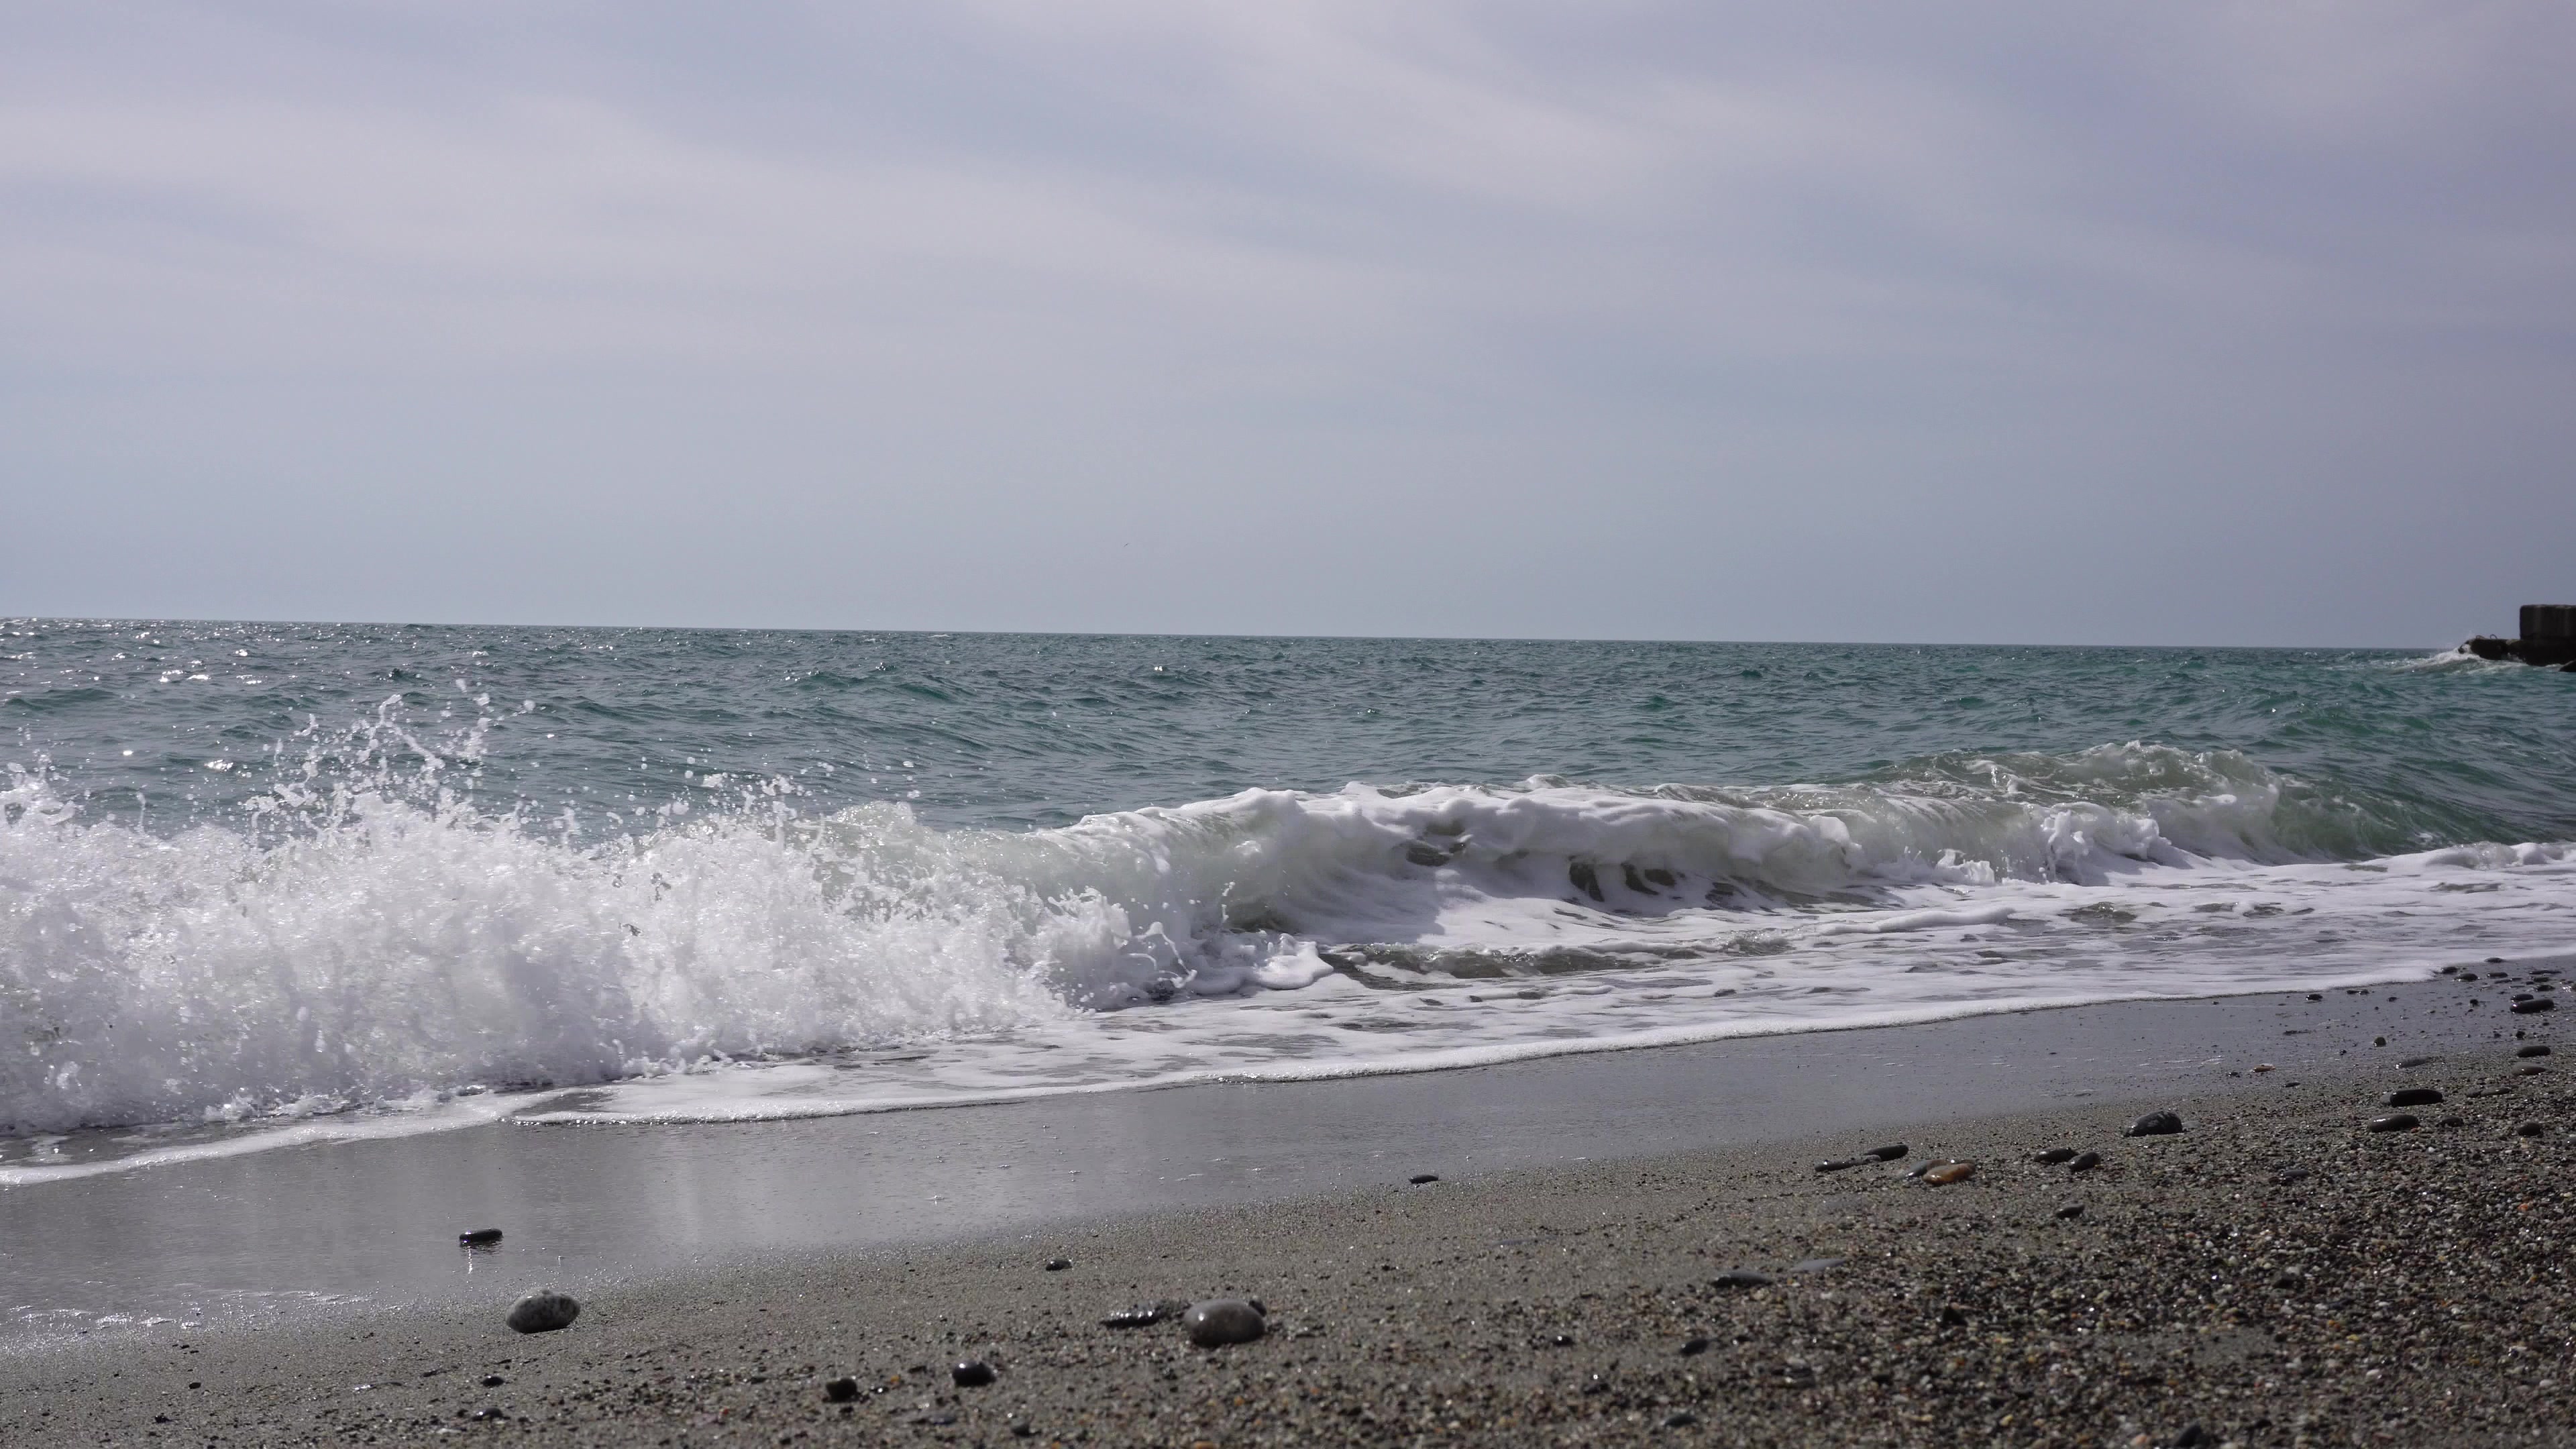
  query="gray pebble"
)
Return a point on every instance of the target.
[
  {"x": 543, "y": 1311},
  {"x": 2054, "y": 1156},
  {"x": 2394, "y": 1122},
  {"x": 1221, "y": 1321},
  {"x": 2085, "y": 1162}
]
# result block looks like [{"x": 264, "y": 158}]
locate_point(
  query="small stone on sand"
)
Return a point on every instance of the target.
[
  {"x": 841, "y": 1390},
  {"x": 1949, "y": 1172},
  {"x": 1058, "y": 1265},
  {"x": 2054, "y": 1156},
  {"x": 2085, "y": 1162},
  {"x": 1892, "y": 1152},
  {"x": 1419, "y": 1178},
  {"x": 543, "y": 1311},
  {"x": 2533, "y": 1050},
  {"x": 2154, "y": 1124},
  {"x": 480, "y": 1237},
  {"x": 2537, "y": 1003},
  {"x": 2529, "y": 1129},
  {"x": 2394, "y": 1122},
  {"x": 1691, "y": 1346},
  {"x": 2415, "y": 1097},
  {"x": 1742, "y": 1278},
  {"x": 2071, "y": 1211},
  {"x": 1222, "y": 1321},
  {"x": 973, "y": 1373}
]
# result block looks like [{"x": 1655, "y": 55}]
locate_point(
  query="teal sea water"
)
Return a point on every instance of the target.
[{"x": 263, "y": 882}]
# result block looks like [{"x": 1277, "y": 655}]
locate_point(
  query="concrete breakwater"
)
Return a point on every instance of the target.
[{"x": 2548, "y": 638}]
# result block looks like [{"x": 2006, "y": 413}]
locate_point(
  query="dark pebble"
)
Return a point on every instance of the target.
[
  {"x": 2415, "y": 1097},
  {"x": 1951, "y": 1317},
  {"x": 2289, "y": 1175},
  {"x": 2379, "y": 1041},
  {"x": 2154, "y": 1124},
  {"x": 1058, "y": 1265},
  {"x": 2195, "y": 1437},
  {"x": 1840, "y": 1164},
  {"x": 2416, "y": 1062},
  {"x": 1693, "y": 1346},
  {"x": 2314, "y": 996},
  {"x": 1680, "y": 1419},
  {"x": 2287, "y": 1282},
  {"x": 1022, "y": 1431},
  {"x": 2537, "y": 1003},
  {"x": 2531, "y": 1071},
  {"x": 1144, "y": 1315},
  {"x": 1562, "y": 1340},
  {"x": 480, "y": 1237},
  {"x": 1741, "y": 1278},
  {"x": 2055, "y": 1155},
  {"x": 2495, "y": 960},
  {"x": 1892, "y": 1152},
  {"x": 2071, "y": 1211},
  {"x": 2394, "y": 1122},
  {"x": 2533, "y": 1050},
  {"x": 974, "y": 1373},
  {"x": 543, "y": 1311},
  {"x": 2085, "y": 1162},
  {"x": 1221, "y": 1321},
  {"x": 493, "y": 1381},
  {"x": 841, "y": 1390},
  {"x": 1419, "y": 1178},
  {"x": 2529, "y": 1129}
]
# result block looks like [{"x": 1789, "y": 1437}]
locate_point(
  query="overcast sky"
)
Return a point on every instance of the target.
[{"x": 2165, "y": 324}]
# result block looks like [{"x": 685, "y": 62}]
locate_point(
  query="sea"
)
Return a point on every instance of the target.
[{"x": 267, "y": 884}]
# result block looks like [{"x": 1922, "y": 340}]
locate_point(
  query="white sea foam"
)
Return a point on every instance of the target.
[{"x": 755, "y": 961}]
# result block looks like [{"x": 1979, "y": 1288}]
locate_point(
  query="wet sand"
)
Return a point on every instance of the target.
[{"x": 2275, "y": 1274}]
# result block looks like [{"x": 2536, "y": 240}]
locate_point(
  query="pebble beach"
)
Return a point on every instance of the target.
[{"x": 2291, "y": 1268}]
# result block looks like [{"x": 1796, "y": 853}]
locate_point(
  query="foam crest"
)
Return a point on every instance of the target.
[{"x": 366, "y": 938}]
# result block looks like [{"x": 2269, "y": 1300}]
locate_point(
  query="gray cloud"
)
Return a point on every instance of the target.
[{"x": 2205, "y": 323}]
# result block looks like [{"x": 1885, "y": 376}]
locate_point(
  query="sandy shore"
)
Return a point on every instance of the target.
[{"x": 2275, "y": 1274}]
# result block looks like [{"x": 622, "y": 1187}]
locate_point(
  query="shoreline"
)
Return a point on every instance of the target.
[
  {"x": 2275, "y": 1274},
  {"x": 376, "y": 1219}
]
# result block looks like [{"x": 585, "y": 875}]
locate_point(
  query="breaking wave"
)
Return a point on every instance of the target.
[{"x": 358, "y": 941}]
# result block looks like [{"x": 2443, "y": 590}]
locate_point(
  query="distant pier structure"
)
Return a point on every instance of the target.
[{"x": 2548, "y": 638}]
